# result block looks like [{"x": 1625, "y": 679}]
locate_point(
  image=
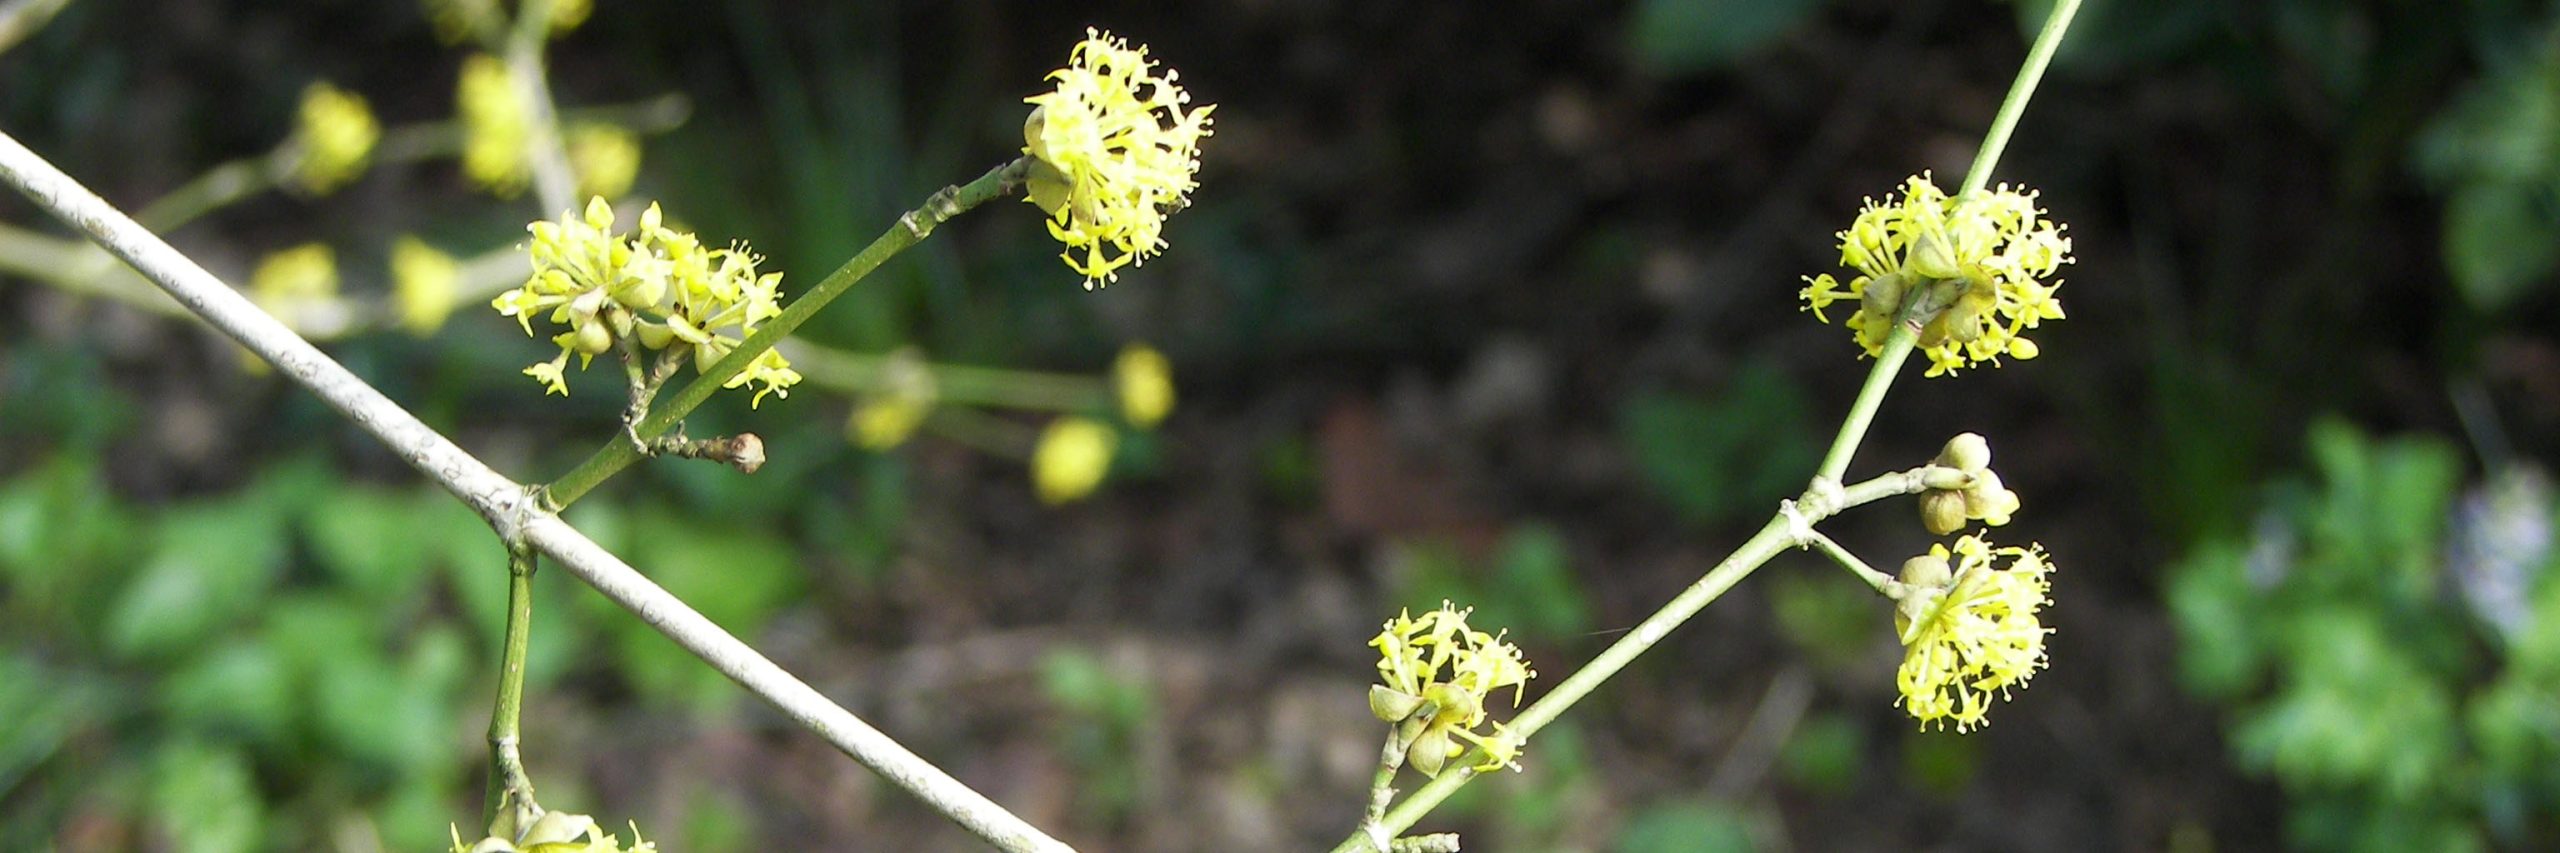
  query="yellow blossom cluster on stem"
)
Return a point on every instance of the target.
[
  {"x": 423, "y": 282},
  {"x": 497, "y": 126},
  {"x": 655, "y": 287},
  {"x": 1969, "y": 628},
  {"x": 1114, "y": 151},
  {"x": 1437, "y": 674},
  {"x": 1970, "y": 271},
  {"x": 335, "y": 137}
]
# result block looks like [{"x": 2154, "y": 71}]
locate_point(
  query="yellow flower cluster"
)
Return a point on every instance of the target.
[
  {"x": 1437, "y": 674},
  {"x": 555, "y": 832},
  {"x": 1969, "y": 629},
  {"x": 658, "y": 286},
  {"x": 1113, "y": 152},
  {"x": 335, "y": 139},
  {"x": 606, "y": 159},
  {"x": 497, "y": 126},
  {"x": 1073, "y": 457},
  {"x": 1145, "y": 382},
  {"x": 288, "y": 282},
  {"x": 423, "y": 282},
  {"x": 1968, "y": 270}
]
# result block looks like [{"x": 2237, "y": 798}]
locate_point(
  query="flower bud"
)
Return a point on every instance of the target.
[
  {"x": 1430, "y": 751},
  {"x": 1985, "y": 496},
  {"x": 1966, "y": 452},
  {"x": 1392, "y": 705},
  {"x": 1931, "y": 256},
  {"x": 1942, "y": 511},
  {"x": 1883, "y": 295},
  {"x": 1927, "y": 572},
  {"x": 593, "y": 338}
]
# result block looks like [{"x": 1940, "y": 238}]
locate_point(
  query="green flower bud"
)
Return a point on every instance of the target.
[
  {"x": 1431, "y": 751},
  {"x": 1966, "y": 452},
  {"x": 1931, "y": 256},
  {"x": 1392, "y": 705},
  {"x": 1883, "y": 295},
  {"x": 1927, "y": 572},
  {"x": 1942, "y": 511},
  {"x": 1988, "y": 496}
]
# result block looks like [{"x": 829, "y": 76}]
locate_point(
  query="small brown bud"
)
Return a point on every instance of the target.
[
  {"x": 1942, "y": 511},
  {"x": 745, "y": 452}
]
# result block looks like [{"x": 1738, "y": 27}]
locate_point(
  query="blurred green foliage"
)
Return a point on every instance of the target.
[
  {"x": 2346, "y": 640},
  {"x": 301, "y": 658},
  {"x": 1527, "y": 587},
  {"x": 1718, "y": 457},
  {"x": 1106, "y": 714}
]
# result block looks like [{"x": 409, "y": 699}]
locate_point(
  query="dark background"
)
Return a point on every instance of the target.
[{"x": 1486, "y": 301}]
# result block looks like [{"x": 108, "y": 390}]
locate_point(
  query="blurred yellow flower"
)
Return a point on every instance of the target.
[
  {"x": 566, "y": 15},
  {"x": 423, "y": 281},
  {"x": 1073, "y": 456},
  {"x": 497, "y": 126},
  {"x": 336, "y": 137},
  {"x": 294, "y": 277},
  {"x": 888, "y": 416},
  {"x": 1145, "y": 382},
  {"x": 1113, "y": 152},
  {"x": 1970, "y": 270},
  {"x": 1969, "y": 630},
  {"x": 606, "y": 159}
]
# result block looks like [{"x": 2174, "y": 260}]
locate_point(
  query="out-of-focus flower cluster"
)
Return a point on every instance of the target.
[
  {"x": 1113, "y": 152},
  {"x": 1972, "y": 271},
  {"x": 1969, "y": 629},
  {"x": 655, "y": 286},
  {"x": 336, "y": 137},
  {"x": 497, "y": 126},
  {"x": 1437, "y": 674},
  {"x": 556, "y": 832}
]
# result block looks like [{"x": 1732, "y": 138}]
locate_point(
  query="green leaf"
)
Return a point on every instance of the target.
[
  {"x": 1824, "y": 754},
  {"x": 1711, "y": 460},
  {"x": 1533, "y": 578},
  {"x": 1689, "y": 36},
  {"x": 206, "y": 799},
  {"x": 1686, "y": 827},
  {"x": 212, "y": 565},
  {"x": 371, "y": 540},
  {"x": 242, "y": 689},
  {"x": 40, "y": 709},
  {"x": 2501, "y": 241}
]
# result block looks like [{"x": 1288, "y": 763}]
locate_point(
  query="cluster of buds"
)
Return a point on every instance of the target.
[
  {"x": 1113, "y": 151},
  {"x": 656, "y": 288},
  {"x": 1971, "y": 493},
  {"x": 1967, "y": 271},
  {"x": 1438, "y": 674},
  {"x": 1969, "y": 628}
]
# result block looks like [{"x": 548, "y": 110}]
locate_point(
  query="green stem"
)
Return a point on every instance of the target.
[
  {"x": 509, "y": 787},
  {"x": 1779, "y": 532},
  {"x": 1882, "y": 582},
  {"x": 1862, "y": 414},
  {"x": 2038, "y": 56},
  {"x": 910, "y": 230},
  {"x": 952, "y": 383}
]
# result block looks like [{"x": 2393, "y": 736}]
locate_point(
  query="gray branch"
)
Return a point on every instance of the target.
[{"x": 506, "y": 504}]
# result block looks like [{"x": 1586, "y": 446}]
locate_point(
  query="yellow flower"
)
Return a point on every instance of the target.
[
  {"x": 423, "y": 283},
  {"x": 456, "y": 20},
  {"x": 566, "y": 15},
  {"x": 497, "y": 126},
  {"x": 1971, "y": 271},
  {"x": 1436, "y": 674},
  {"x": 1145, "y": 382},
  {"x": 1969, "y": 630},
  {"x": 336, "y": 138},
  {"x": 288, "y": 282},
  {"x": 1073, "y": 456},
  {"x": 1114, "y": 151},
  {"x": 605, "y": 157},
  {"x": 906, "y": 395},
  {"x": 656, "y": 284}
]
